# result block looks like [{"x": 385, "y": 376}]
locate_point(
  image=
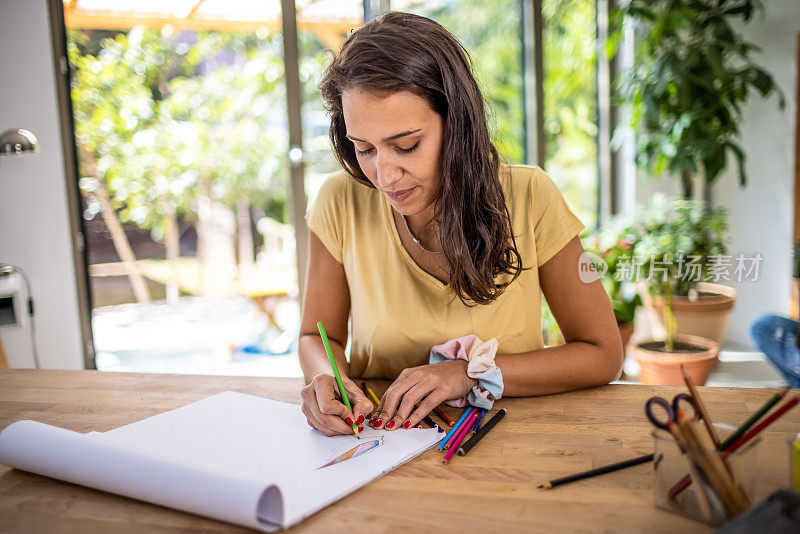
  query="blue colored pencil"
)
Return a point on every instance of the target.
[
  {"x": 455, "y": 428},
  {"x": 478, "y": 422}
]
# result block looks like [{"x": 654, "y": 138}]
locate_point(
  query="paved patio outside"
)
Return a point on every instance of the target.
[
  {"x": 196, "y": 335},
  {"x": 199, "y": 335}
]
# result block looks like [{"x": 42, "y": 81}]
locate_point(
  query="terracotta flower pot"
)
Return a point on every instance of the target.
[
  {"x": 658, "y": 367},
  {"x": 705, "y": 317}
]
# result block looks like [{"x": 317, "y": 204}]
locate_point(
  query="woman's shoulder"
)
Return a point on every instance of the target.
[
  {"x": 536, "y": 203},
  {"x": 531, "y": 193},
  {"x": 521, "y": 182},
  {"x": 340, "y": 187},
  {"x": 334, "y": 186},
  {"x": 339, "y": 203},
  {"x": 520, "y": 174}
]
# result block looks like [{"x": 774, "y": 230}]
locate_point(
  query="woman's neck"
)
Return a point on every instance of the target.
[{"x": 424, "y": 227}]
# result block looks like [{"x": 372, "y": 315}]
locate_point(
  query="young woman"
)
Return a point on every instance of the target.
[{"x": 425, "y": 236}]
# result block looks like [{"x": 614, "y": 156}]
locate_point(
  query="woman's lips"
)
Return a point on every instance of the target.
[{"x": 400, "y": 196}]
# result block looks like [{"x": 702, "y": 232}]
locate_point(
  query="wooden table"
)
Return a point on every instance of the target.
[
  {"x": 492, "y": 489},
  {"x": 3, "y": 359}
]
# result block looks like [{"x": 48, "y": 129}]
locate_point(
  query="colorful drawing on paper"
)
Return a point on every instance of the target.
[{"x": 358, "y": 450}]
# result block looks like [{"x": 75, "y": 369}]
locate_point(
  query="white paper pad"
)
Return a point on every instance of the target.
[{"x": 234, "y": 457}]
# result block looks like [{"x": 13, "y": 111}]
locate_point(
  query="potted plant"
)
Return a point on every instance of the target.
[
  {"x": 675, "y": 241},
  {"x": 700, "y": 305},
  {"x": 690, "y": 77}
]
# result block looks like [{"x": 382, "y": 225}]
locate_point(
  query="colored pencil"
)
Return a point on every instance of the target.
[
  {"x": 713, "y": 466},
  {"x": 368, "y": 390},
  {"x": 453, "y": 430},
  {"x": 336, "y": 374},
  {"x": 597, "y": 471},
  {"x": 753, "y": 418},
  {"x": 464, "y": 426},
  {"x": 478, "y": 422},
  {"x": 686, "y": 481},
  {"x": 460, "y": 437},
  {"x": 698, "y": 402},
  {"x": 788, "y": 405},
  {"x": 482, "y": 431},
  {"x": 444, "y": 417},
  {"x": 430, "y": 422}
]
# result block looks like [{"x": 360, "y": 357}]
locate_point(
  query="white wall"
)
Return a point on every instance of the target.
[
  {"x": 34, "y": 217},
  {"x": 761, "y": 214}
]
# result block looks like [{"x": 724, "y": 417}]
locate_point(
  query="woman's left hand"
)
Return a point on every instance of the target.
[{"x": 425, "y": 386}]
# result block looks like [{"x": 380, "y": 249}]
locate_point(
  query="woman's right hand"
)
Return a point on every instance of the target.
[{"x": 325, "y": 411}]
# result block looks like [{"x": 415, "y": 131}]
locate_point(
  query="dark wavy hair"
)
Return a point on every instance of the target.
[{"x": 404, "y": 52}]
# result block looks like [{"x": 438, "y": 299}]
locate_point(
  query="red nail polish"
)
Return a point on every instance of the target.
[
  {"x": 360, "y": 419},
  {"x": 373, "y": 421},
  {"x": 379, "y": 422},
  {"x": 407, "y": 424},
  {"x": 349, "y": 421},
  {"x": 390, "y": 424}
]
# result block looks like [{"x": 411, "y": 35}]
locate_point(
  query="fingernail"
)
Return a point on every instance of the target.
[
  {"x": 360, "y": 419},
  {"x": 390, "y": 424},
  {"x": 379, "y": 422},
  {"x": 407, "y": 424},
  {"x": 373, "y": 421},
  {"x": 349, "y": 421}
]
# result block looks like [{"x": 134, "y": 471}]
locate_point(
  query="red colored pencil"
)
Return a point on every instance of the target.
[
  {"x": 460, "y": 437},
  {"x": 788, "y": 405},
  {"x": 444, "y": 417}
]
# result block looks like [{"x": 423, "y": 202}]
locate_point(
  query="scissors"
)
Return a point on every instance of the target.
[{"x": 671, "y": 409}]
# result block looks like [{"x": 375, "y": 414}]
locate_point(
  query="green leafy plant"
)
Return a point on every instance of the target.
[
  {"x": 674, "y": 244},
  {"x": 167, "y": 126},
  {"x": 690, "y": 78},
  {"x": 612, "y": 245}
]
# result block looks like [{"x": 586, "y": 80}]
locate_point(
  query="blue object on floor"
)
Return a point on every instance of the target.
[{"x": 776, "y": 337}]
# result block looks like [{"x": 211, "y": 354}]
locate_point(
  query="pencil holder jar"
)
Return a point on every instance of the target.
[{"x": 685, "y": 487}]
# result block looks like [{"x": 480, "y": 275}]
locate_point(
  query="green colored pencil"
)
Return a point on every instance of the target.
[
  {"x": 755, "y": 417},
  {"x": 336, "y": 373}
]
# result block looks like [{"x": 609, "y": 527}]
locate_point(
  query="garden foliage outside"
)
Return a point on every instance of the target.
[{"x": 187, "y": 127}]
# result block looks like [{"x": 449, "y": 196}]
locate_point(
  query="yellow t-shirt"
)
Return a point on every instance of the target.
[{"x": 398, "y": 311}]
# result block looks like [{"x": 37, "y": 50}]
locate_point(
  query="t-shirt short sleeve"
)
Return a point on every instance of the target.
[
  {"x": 554, "y": 222},
  {"x": 327, "y": 216}
]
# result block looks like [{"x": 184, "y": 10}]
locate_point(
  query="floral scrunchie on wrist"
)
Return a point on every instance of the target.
[{"x": 481, "y": 366}]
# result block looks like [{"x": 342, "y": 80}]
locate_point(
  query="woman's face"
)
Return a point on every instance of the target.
[{"x": 398, "y": 143}]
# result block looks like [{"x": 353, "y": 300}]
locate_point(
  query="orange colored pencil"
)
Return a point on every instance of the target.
[{"x": 444, "y": 417}]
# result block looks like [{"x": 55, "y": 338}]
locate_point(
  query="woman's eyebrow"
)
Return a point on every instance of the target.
[{"x": 390, "y": 138}]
